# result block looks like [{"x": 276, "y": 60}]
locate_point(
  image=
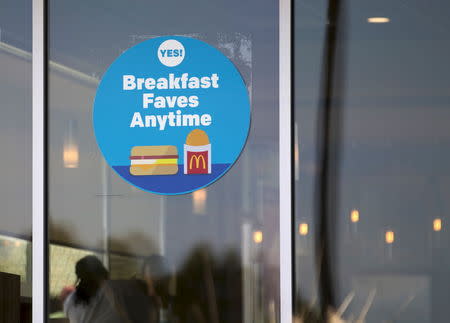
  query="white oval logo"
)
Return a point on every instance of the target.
[{"x": 171, "y": 53}]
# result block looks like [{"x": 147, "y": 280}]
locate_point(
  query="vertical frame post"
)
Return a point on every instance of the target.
[
  {"x": 285, "y": 162},
  {"x": 38, "y": 163}
]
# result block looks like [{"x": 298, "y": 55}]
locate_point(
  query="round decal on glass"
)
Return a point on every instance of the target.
[{"x": 171, "y": 115}]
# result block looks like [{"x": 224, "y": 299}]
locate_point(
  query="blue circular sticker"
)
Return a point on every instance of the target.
[{"x": 171, "y": 115}]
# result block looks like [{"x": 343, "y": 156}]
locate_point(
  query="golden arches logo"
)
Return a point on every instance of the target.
[{"x": 197, "y": 161}]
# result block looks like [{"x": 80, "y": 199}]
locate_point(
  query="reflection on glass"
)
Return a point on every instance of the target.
[
  {"x": 378, "y": 20},
  {"x": 389, "y": 237},
  {"x": 258, "y": 236},
  {"x": 354, "y": 216},
  {"x": 15, "y": 160},
  {"x": 15, "y": 258},
  {"x": 199, "y": 201},
  {"x": 220, "y": 267},
  {"x": 303, "y": 229},
  {"x": 437, "y": 225},
  {"x": 70, "y": 150},
  {"x": 389, "y": 256}
]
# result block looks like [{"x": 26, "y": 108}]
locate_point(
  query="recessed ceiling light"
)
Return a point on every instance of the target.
[{"x": 378, "y": 20}]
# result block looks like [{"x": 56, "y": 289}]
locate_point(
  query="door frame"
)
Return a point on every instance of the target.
[
  {"x": 39, "y": 161},
  {"x": 39, "y": 164},
  {"x": 286, "y": 163}
]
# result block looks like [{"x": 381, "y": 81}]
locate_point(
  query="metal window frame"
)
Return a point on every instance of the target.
[
  {"x": 286, "y": 161},
  {"x": 39, "y": 162},
  {"x": 39, "y": 241}
]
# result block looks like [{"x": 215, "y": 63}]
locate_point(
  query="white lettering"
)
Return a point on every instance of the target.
[
  {"x": 193, "y": 101},
  {"x": 205, "y": 119},
  {"x": 172, "y": 82},
  {"x": 162, "y": 119},
  {"x": 137, "y": 120},
  {"x": 215, "y": 80},
  {"x": 129, "y": 82},
  {"x": 147, "y": 99}
]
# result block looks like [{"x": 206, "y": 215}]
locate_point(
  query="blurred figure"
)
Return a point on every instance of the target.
[
  {"x": 66, "y": 291},
  {"x": 96, "y": 299},
  {"x": 157, "y": 276},
  {"x": 91, "y": 275},
  {"x": 196, "y": 293}
]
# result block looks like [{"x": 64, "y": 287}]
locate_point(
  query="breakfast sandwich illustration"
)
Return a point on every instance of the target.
[
  {"x": 197, "y": 153},
  {"x": 154, "y": 160}
]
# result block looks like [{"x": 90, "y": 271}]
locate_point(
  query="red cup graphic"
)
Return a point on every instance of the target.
[{"x": 197, "y": 153}]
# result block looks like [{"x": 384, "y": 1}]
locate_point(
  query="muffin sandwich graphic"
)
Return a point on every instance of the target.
[{"x": 154, "y": 160}]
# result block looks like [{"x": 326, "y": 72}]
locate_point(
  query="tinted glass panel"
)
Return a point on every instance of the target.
[
  {"x": 388, "y": 232},
  {"x": 15, "y": 51},
  {"x": 220, "y": 244},
  {"x": 15, "y": 162}
]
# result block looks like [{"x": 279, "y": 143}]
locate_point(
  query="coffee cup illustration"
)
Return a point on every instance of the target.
[{"x": 197, "y": 153}]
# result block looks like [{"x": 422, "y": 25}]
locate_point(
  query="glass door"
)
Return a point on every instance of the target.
[{"x": 120, "y": 249}]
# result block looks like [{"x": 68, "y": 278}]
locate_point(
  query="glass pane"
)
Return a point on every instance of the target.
[
  {"x": 310, "y": 22},
  {"x": 15, "y": 171},
  {"x": 389, "y": 236},
  {"x": 217, "y": 247}
]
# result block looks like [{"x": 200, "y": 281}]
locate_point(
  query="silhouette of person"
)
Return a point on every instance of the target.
[{"x": 91, "y": 275}]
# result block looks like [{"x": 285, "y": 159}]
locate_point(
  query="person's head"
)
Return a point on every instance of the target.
[
  {"x": 90, "y": 275},
  {"x": 157, "y": 275}
]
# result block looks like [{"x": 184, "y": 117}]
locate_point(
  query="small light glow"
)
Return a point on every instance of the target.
[
  {"x": 354, "y": 216},
  {"x": 389, "y": 237},
  {"x": 199, "y": 201},
  {"x": 437, "y": 225},
  {"x": 378, "y": 20},
  {"x": 71, "y": 156},
  {"x": 303, "y": 229},
  {"x": 257, "y": 236},
  {"x": 10, "y": 241}
]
